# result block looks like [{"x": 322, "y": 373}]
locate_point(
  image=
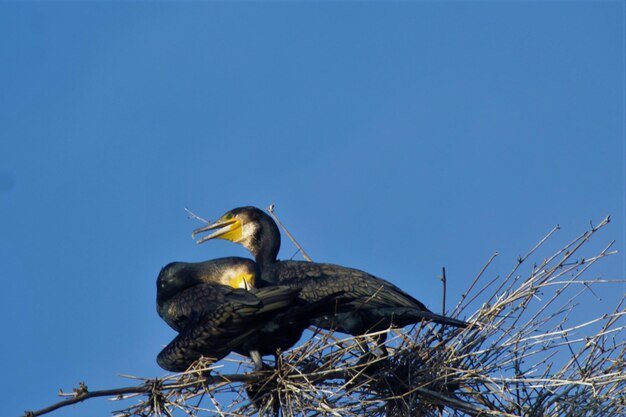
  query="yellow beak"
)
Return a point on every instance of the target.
[
  {"x": 245, "y": 281},
  {"x": 228, "y": 229}
]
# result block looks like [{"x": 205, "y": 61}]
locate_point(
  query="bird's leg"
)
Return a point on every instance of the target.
[
  {"x": 277, "y": 355},
  {"x": 258, "y": 361},
  {"x": 263, "y": 393},
  {"x": 370, "y": 363},
  {"x": 380, "y": 341}
]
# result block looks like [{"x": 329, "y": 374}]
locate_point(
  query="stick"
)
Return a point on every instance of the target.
[{"x": 270, "y": 210}]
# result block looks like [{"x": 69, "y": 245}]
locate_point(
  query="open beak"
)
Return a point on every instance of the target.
[{"x": 227, "y": 229}]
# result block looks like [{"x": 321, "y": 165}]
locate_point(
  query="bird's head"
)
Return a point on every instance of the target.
[
  {"x": 179, "y": 276},
  {"x": 248, "y": 226}
]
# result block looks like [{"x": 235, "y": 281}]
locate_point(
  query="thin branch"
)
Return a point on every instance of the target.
[
  {"x": 82, "y": 395},
  {"x": 444, "y": 283},
  {"x": 193, "y": 215},
  {"x": 270, "y": 210}
]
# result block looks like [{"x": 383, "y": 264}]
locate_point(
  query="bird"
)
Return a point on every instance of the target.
[
  {"x": 368, "y": 304},
  {"x": 177, "y": 277},
  {"x": 216, "y": 309},
  {"x": 231, "y": 318}
]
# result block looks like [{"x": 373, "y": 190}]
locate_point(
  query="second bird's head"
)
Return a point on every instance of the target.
[
  {"x": 232, "y": 272},
  {"x": 248, "y": 226}
]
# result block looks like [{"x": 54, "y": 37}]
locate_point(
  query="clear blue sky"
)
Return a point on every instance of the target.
[{"x": 395, "y": 138}]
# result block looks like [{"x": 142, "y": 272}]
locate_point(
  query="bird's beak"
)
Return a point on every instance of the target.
[
  {"x": 227, "y": 229},
  {"x": 245, "y": 281}
]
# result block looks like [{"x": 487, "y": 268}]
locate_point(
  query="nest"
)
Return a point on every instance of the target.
[{"x": 525, "y": 354}]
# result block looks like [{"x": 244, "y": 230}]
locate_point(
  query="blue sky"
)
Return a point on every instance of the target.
[{"x": 393, "y": 137}]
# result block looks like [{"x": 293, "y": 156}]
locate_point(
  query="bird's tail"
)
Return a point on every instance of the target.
[
  {"x": 405, "y": 316},
  {"x": 428, "y": 315}
]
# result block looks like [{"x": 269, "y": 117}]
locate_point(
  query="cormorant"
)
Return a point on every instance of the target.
[
  {"x": 369, "y": 303},
  {"x": 216, "y": 309},
  {"x": 233, "y": 317},
  {"x": 177, "y": 277}
]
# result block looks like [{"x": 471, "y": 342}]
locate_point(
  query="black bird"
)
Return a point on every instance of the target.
[
  {"x": 217, "y": 310},
  {"x": 368, "y": 303},
  {"x": 233, "y": 318},
  {"x": 176, "y": 277}
]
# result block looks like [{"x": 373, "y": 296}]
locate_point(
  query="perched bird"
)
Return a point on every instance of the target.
[
  {"x": 176, "y": 277},
  {"x": 368, "y": 303},
  {"x": 217, "y": 310},
  {"x": 234, "y": 318}
]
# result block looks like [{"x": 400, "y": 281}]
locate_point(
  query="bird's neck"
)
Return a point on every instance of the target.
[{"x": 266, "y": 244}]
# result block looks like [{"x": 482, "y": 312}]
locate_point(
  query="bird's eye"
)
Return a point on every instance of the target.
[{"x": 228, "y": 216}]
